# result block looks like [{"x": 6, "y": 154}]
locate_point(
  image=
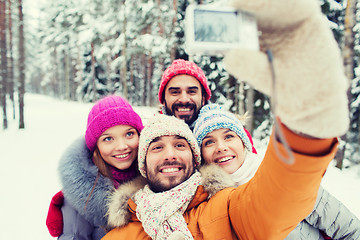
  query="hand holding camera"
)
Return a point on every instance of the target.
[{"x": 310, "y": 84}]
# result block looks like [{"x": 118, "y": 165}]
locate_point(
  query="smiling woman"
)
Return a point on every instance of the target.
[
  {"x": 92, "y": 167},
  {"x": 118, "y": 146},
  {"x": 223, "y": 139},
  {"x": 224, "y": 148}
]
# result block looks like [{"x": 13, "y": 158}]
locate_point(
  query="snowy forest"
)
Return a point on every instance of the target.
[{"x": 82, "y": 50}]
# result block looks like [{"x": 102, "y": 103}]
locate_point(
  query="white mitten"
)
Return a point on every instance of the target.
[{"x": 310, "y": 83}]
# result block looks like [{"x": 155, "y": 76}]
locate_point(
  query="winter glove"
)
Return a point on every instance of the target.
[
  {"x": 54, "y": 219},
  {"x": 310, "y": 85}
]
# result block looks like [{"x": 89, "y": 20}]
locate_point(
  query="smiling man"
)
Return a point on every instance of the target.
[
  {"x": 171, "y": 152},
  {"x": 183, "y": 90},
  {"x": 169, "y": 162}
]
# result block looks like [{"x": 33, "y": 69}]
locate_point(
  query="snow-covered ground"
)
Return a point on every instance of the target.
[{"x": 29, "y": 158}]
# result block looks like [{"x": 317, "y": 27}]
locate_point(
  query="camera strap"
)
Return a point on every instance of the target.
[{"x": 279, "y": 135}]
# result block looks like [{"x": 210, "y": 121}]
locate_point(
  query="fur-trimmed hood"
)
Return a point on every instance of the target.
[
  {"x": 214, "y": 179},
  {"x": 77, "y": 174}
]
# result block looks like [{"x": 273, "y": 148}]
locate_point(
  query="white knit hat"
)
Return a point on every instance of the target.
[{"x": 163, "y": 125}]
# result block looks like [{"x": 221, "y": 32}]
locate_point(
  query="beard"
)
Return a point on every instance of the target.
[
  {"x": 189, "y": 119},
  {"x": 159, "y": 184}
]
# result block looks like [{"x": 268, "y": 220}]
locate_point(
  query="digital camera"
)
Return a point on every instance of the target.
[{"x": 210, "y": 29}]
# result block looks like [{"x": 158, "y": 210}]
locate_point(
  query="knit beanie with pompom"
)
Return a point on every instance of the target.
[
  {"x": 163, "y": 125},
  {"x": 181, "y": 66},
  {"x": 106, "y": 113},
  {"x": 213, "y": 117}
]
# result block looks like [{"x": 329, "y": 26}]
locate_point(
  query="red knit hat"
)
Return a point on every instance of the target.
[{"x": 181, "y": 66}]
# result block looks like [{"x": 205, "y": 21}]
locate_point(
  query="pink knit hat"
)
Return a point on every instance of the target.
[
  {"x": 106, "y": 113},
  {"x": 180, "y": 66}
]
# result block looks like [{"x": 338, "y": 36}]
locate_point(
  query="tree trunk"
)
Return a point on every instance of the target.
[
  {"x": 240, "y": 96},
  {"x": 144, "y": 68},
  {"x": 160, "y": 23},
  {"x": 93, "y": 76},
  {"x": 150, "y": 64},
  {"x": 131, "y": 80},
  {"x": 250, "y": 108},
  {"x": 21, "y": 66},
  {"x": 123, "y": 71},
  {"x": 78, "y": 73},
  {"x": 349, "y": 64},
  {"x": 3, "y": 67},
  {"x": 231, "y": 94},
  {"x": 66, "y": 56},
  {"x": 173, "y": 50},
  {"x": 10, "y": 74},
  {"x": 109, "y": 84},
  {"x": 55, "y": 73}
]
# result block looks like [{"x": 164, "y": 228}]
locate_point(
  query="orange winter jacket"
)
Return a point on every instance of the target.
[{"x": 268, "y": 207}]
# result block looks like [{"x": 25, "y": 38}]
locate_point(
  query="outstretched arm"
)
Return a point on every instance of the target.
[{"x": 280, "y": 195}]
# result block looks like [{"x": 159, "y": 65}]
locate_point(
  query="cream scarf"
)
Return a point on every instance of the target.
[
  {"x": 161, "y": 213},
  {"x": 247, "y": 169}
]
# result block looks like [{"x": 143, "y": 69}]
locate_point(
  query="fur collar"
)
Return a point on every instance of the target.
[
  {"x": 118, "y": 213},
  {"x": 214, "y": 179},
  {"x": 78, "y": 174}
]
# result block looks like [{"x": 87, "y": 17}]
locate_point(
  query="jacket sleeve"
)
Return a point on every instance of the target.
[
  {"x": 77, "y": 175},
  {"x": 334, "y": 218},
  {"x": 279, "y": 196},
  {"x": 75, "y": 226}
]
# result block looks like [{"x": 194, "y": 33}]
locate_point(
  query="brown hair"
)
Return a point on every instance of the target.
[{"x": 103, "y": 169}]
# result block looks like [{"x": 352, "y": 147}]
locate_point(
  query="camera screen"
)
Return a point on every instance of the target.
[{"x": 215, "y": 26}]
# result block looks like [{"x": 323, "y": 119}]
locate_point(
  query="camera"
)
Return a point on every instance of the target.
[{"x": 210, "y": 29}]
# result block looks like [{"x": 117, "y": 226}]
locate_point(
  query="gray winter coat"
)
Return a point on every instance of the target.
[
  {"x": 84, "y": 219},
  {"x": 329, "y": 216},
  {"x": 77, "y": 227}
]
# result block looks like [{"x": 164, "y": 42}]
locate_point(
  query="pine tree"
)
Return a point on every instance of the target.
[{"x": 353, "y": 137}]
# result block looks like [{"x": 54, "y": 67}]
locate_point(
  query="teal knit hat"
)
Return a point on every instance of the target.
[{"x": 213, "y": 117}]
